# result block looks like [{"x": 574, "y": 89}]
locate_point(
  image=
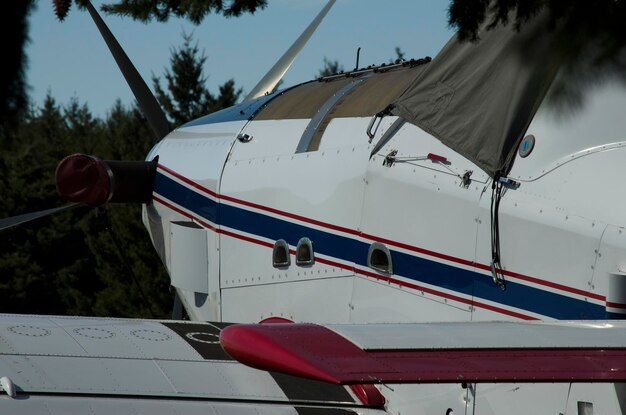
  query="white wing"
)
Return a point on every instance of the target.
[
  {"x": 435, "y": 352},
  {"x": 64, "y": 365}
]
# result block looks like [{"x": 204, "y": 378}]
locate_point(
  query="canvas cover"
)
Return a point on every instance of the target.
[{"x": 478, "y": 98}]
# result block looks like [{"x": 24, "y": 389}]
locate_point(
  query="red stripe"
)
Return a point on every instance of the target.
[
  {"x": 448, "y": 296},
  {"x": 316, "y": 352},
  {"x": 408, "y": 247},
  {"x": 419, "y": 250},
  {"x": 291, "y": 215},
  {"x": 259, "y": 207},
  {"x": 182, "y": 212},
  {"x": 189, "y": 182},
  {"x": 426, "y": 289},
  {"x": 546, "y": 283},
  {"x": 486, "y": 267},
  {"x": 616, "y": 305},
  {"x": 353, "y": 269},
  {"x": 246, "y": 238}
]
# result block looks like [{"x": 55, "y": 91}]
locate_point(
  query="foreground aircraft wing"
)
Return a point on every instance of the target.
[
  {"x": 436, "y": 352},
  {"x": 65, "y": 365}
]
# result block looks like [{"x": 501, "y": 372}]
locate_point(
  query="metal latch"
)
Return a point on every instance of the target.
[
  {"x": 390, "y": 158},
  {"x": 508, "y": 183},
  {"x": 244, "y": 138}
]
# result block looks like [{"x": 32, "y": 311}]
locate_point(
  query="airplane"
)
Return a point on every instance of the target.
[{"x": 361, "y": 243}]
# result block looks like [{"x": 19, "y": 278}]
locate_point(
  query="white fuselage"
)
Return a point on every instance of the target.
[{"x": 228, "y": 187}]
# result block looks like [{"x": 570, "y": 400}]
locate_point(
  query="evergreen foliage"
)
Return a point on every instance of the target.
[
  {"x": 399, "y": 54},
  {"x": 330, "y": 67},
  {"x": 70, "y": 263},
  {"x": 67, "y": 263},
  {"x": 590, "y": 35},
  {"x": 333, "y": 67},
  {"x": 600, "y": 20},
  {"x": 589, "y": 30},
  {"x": 187, "y": 97},
  {"x": 14, "y": 22},
  {"x": 193, "y": 10},
  {"x": 61, "y": 8}
]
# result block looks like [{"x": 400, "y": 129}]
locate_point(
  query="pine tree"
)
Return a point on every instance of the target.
[
  {"x": 193, "y": 10},
  {"x": 187, "y": 97},
  {"x": 399, "y": 55},
  {"x": 13, "y": 99},
  {"x": 329, "y": 68},
  {"x": 134, "y": 281},
  {"x": 14, "y": 21},
  {"x": 69, "y": 263},
  {"x": 590, "y": 36},
  {"x": 34, "y": 259},
  {"x": 600, "y": 23}
]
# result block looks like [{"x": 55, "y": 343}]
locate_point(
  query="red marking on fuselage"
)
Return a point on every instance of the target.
[{"x": 386, "y": 241}]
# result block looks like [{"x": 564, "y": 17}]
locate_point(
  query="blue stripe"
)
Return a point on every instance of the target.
[
  {"x": 185, "y": 197},
  {"x": 615, "y": 316},
  {"x": 471, "y": 283},
  {"x": 421, "y": 270},
  {"x": 433, "y": 273},
  {"x": 273, "y": 228},
  {"x": 537, "y": 300}
]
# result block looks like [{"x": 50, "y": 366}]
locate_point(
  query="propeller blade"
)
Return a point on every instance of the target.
[
  {"x": 273, "y": 77},
  {"x": 12, "y": 221},
  {"x": 147, "y": 102}
]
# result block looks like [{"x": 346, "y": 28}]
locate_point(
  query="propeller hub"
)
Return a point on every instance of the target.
[{"x": 87, "y": 179}]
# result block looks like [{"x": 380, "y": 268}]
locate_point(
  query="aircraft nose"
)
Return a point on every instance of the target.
[{"x": 87, "y": 179}]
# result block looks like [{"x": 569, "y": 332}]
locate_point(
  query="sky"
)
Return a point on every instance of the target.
[{"x": 70, "y": 59}]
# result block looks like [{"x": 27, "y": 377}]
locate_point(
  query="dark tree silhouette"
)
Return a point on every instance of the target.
[
  {"x": 13, "y": 99},
  {"x": 187, "y": 96},
  {"x": 193, "y": 10},
  {"x": 330, "y": 67}
]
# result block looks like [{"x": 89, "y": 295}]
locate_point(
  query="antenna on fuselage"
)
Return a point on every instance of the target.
[
  {"x": 358, "y": 55},
  {"x": 267, "y": 84}
]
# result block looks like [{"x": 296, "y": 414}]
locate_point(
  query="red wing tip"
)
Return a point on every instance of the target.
[{"x": 266, "y": 347}]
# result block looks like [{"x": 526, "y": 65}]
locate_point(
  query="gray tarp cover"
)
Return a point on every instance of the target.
[{"x": 479, "y": 98}]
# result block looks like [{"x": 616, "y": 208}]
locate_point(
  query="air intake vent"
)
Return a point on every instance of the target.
[
  {"x": 379, "y": 258},
  {"x": 304, "y": 252},
  {"x": 280, "y": 254}
]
